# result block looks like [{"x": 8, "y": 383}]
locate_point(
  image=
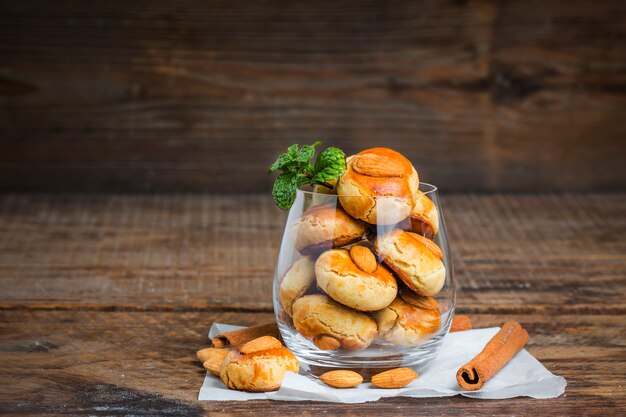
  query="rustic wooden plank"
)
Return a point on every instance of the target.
[
  {"x": 512, "y": 254},
  {"x": 197, "y": 96},
  {"x": 143, "y": 363}
]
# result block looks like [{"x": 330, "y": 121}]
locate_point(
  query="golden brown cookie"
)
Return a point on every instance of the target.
[
  {"x": 324, "y": 227},
  {"x": 436, "y": 250},
  {"x": 342, "y": 279},
  {"x": 378, "y": 186},
  {"x": 296, "y": 282},
  {"x": 319, "y": 317},
  {"x": 421, "y": 301},
  {"x": 257, "y": 370},
  {"x": 406, "y": 324},
  {"x": 414, "y": 263},
  {"x": 424, "y": 216}
]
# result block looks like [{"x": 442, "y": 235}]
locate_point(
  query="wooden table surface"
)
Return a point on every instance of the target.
[{"x": 105, "y": 299}]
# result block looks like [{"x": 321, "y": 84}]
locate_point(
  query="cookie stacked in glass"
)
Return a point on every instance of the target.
[{"x": 368, "y": 265}]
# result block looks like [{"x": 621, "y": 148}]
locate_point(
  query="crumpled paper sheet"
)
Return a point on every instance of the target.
[{"x": 522, "y": 376}]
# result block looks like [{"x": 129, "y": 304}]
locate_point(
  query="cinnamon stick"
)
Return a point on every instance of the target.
[
  {"x": 501, "y": 348},
  {"x": 460, "y": 322},
  {"x": 241, "y": 336}
]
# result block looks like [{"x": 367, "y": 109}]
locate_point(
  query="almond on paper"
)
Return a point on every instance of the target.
[
  {"x": 212, "y": 359},
  {"x": 341, "y": 379},
  {"x": 214, "y": 365},
  {"x": 211, "y": 353},
  {"x": 394, "y": 378},
  {"x": 364, "y": 258},
  {"x": 374, "y": 165},
  {"x": 259, "y": 344}
]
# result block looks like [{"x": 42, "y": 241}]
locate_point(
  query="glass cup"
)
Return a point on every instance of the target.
[{"x": 408, "y": 339}]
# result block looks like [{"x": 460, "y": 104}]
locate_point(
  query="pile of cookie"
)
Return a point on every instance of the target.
[
  {"x": 257, "y": 365},
  {"x": 369, "y": 266}
]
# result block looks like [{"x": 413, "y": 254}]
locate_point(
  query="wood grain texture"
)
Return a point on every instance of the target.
[
  {"x": 170, "y": 252},
  {"x": 201, "y": 96},
  {"x": 143, "y": 363},
  {"x": 105, "y": 299}
]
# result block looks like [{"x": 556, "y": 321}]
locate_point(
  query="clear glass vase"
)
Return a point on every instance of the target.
[{"x": 336, "y": 309}]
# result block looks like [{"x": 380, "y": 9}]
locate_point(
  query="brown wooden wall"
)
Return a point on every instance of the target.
[{"x": 201, "y": 95}]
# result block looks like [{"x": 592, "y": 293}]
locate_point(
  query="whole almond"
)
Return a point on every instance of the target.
[
  {"x": 326, "y": 342},
  {"x": 259, "y": 344},
  {"x": 214, "y": 364},
  {"x": 460, "y": 322},
  {"x": 432, "y": 246},
  {"x": 374, "y": 165},
  {"x": 213, "y": 367},
  {"x": 394, "y": 378},
  {"x": 363, "y": 258},
  {"x": 341, "y": 379},
  {"x": 212, "y": 359},
  {"x": 210, "y": 353}
]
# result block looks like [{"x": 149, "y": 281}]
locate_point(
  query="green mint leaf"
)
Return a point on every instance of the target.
[
  {"x": 283, "y": 192},
  {"x": 286, "y": 161},
  {"x": 285, "y": 187},
  {"x": 280, "y": 163},
  {"x": 330, "y": 164},
  {"x": 308, "y": 167},
  {"x": 292, "y": 151},
  {"x": 306, "y": 153},
  {"x": 295, "y": 159},
  {"x": 298, "y": 170},
  {"x": 300, "y": 180}
]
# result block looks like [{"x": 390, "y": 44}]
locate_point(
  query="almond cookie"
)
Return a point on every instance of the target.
[
  {"x": 424, "y": 216},
  {"x": 324, "y": 227},
  {"x": 378, "y": 186},
  {"x": 407, "y": 324},
  {"x": 417, "y": 265},
  {"x": 340, "y": 276},
  {"x": 296, "y": 282},
  {"x": 257, "y": 369},
  {"x": 319, "y": 317}
]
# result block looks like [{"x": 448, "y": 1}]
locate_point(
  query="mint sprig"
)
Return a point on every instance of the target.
[
  {"x": 298, "y": 170},
  {"x": 329, "y": 165}
]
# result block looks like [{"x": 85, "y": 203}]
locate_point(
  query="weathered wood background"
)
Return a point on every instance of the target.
[
  {"x": 105, "y": 299},
  {"x": 200, "y": 95}
]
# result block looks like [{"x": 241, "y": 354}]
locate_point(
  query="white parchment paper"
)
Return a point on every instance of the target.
[{"x": 522, "y": 376}]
